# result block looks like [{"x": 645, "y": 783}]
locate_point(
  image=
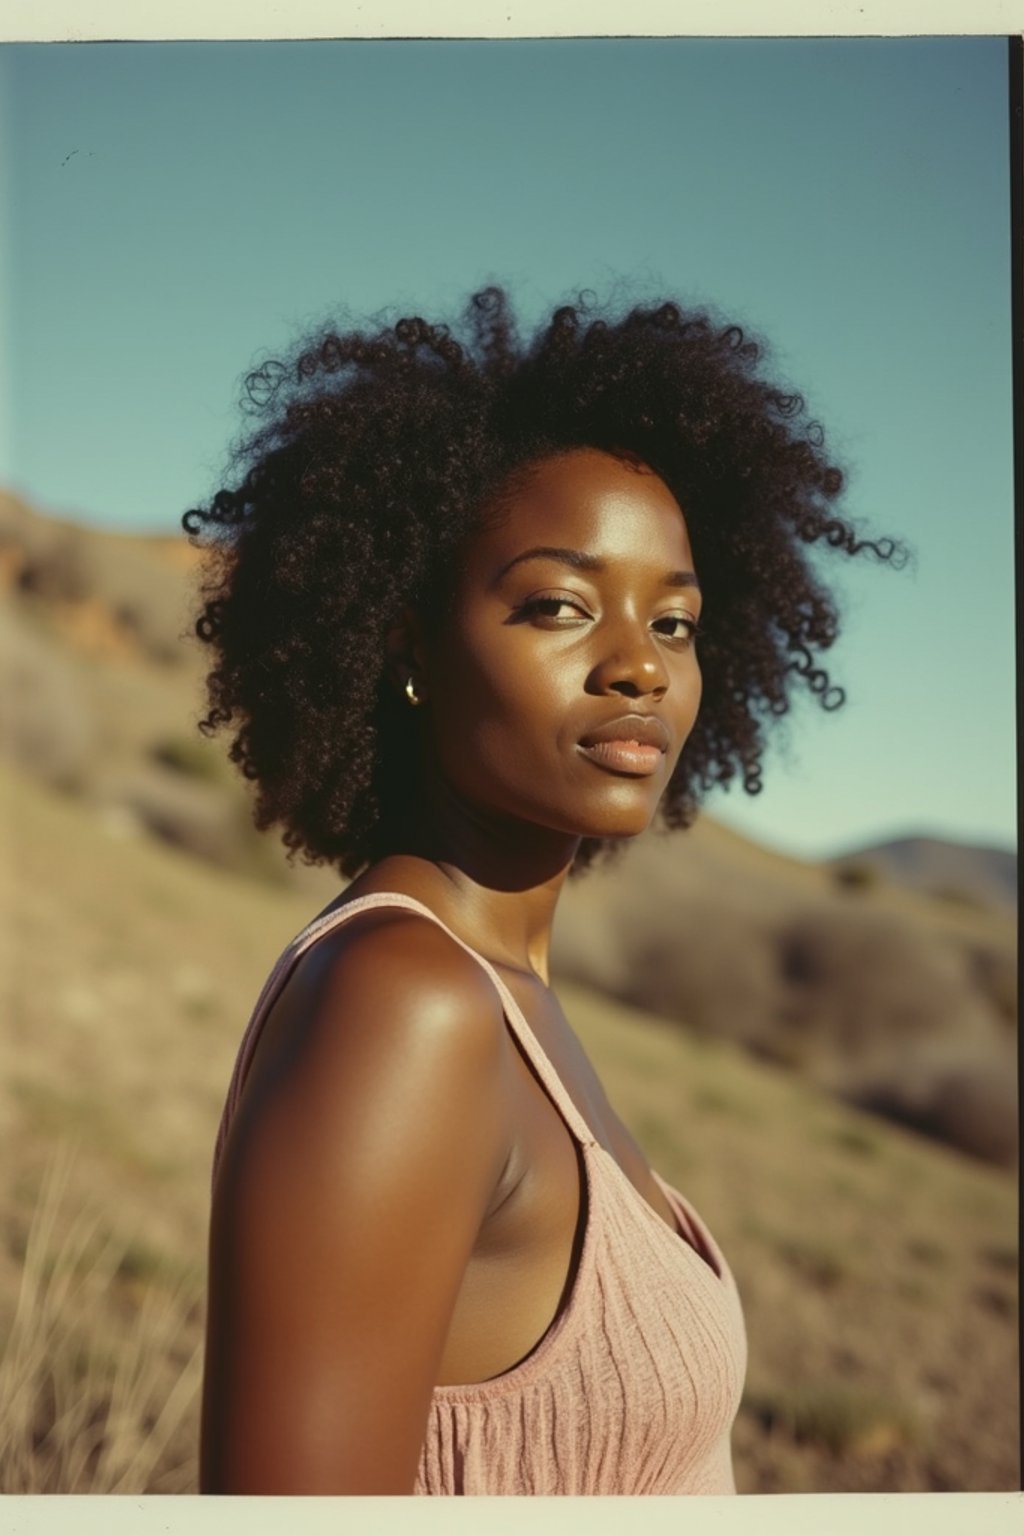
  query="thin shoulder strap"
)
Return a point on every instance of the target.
[{"x": 329, "y": 921}]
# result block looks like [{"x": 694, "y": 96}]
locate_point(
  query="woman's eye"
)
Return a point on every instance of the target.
[
  {"x": 552, "y": 608},
  {"x": 678, "y": 626}
]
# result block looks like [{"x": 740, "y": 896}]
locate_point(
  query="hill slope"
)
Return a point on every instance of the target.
[
  {"x": 892, "y": 999},
  {"x": 877, "y": 1270}
]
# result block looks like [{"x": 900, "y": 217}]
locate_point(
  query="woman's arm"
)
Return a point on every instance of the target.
[{"x": 361, "y": 1162}]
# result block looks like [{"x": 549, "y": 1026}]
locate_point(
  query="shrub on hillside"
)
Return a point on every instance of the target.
[
  {"x": 208, "y": 820},
  {"x": 900, "y": 1026},
  {"x": 54, "y": 567},
  {"x": 968, "y": 1103},
  {"x": 856, "y": 875},
  {"x": 192, "y": 757},
  {"x": 717, "y": 974},
  {"x": 189, "y": 815},
  {"x": 876, "y": 985}
]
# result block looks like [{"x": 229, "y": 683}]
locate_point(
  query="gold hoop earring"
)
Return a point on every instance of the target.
[{"x": 411, "y": 694}]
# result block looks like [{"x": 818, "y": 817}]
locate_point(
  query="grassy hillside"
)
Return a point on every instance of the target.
[{"x": 877, "y": 1269}]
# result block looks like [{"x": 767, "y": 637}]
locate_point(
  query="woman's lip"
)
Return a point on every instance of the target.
[
  {"x": 624, "y": 757},
  {"x": 642, "y": 729}
]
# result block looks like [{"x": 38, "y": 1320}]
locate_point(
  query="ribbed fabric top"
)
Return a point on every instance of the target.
[{"x": 635, "y": 1386}]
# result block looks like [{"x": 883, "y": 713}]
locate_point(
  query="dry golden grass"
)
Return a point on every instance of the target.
[
  {"x": 877, "y": 1269},
  {"x": 90, "y": 1406}
]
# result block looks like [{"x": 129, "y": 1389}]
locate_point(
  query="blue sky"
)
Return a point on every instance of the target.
[{"x": 178, "y": 210}]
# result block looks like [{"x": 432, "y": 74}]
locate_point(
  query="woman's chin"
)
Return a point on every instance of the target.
[{"x": 622, "y": 825}]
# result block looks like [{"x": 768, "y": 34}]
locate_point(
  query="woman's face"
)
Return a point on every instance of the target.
[{"x": 564, "y": 685}]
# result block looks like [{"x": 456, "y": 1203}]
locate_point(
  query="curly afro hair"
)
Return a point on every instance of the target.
[{"x": 375, "y": 454}]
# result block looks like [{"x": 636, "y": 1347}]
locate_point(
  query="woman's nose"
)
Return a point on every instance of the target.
[{"x": 631, "y": 664}]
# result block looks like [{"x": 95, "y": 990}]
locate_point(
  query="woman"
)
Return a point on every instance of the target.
[{"x": 454, "y": 603}]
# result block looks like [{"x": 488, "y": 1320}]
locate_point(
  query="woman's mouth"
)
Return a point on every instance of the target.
[
  {"x": 631, "y": 757},
  {"x": 634, "y": 744}
]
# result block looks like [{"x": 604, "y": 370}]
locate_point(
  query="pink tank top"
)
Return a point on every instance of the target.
[{"x": 635, "y": 1386}]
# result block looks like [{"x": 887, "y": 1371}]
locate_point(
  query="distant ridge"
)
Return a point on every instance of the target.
[{"x": 939, "y": 867}]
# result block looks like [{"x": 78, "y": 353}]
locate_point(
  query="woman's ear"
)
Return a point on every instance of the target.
[{"x": 406, "y": 656}]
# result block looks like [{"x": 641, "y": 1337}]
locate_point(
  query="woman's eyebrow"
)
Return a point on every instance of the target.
[{"x": 579, "y": 560}]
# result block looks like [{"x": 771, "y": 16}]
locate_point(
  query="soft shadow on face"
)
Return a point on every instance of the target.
[{"x": 574, "y": 608}]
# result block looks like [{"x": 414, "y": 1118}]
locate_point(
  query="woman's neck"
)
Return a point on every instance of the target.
[{"x": 495, "y": 882}]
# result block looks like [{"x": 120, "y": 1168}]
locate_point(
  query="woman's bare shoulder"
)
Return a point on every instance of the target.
[
  {"x": 370, "y": 1140},
  {"x": 401, "y": 971},
  {"x": 387, "y": 1001}
]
